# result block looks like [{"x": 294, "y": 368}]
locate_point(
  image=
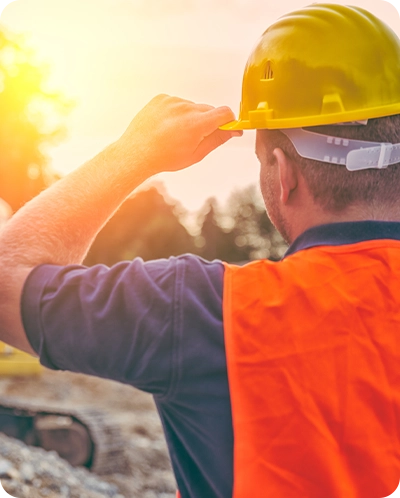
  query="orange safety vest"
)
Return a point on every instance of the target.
[{"x": 313, "y": 355}]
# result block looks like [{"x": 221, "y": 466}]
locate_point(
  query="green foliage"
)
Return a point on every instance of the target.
[
  {"x": 254, "y": 233},
  {"x": 216, "y": 241},
  {"x": 240, "y": 232},
  {"x": 31, "y": 117},
  {"x": 149, "y": 227}
]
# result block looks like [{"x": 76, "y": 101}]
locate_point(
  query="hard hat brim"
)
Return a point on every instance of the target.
[{"x": 258, "y": 122}]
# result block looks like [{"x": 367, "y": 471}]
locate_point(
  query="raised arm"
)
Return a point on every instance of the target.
[{"x": 59, "y": 225}]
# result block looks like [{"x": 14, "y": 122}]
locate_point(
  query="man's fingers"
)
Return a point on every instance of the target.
[
  {"x": 205, "y": 107},
  {"x": 177, "y": 133},
  {"x": 213, "y": 141},
  {"x": 216, "y": 117}
]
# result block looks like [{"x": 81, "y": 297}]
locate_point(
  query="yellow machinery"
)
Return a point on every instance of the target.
[
  {"x": 17, "y": 363},
  {"x": 82, "y": 436}
]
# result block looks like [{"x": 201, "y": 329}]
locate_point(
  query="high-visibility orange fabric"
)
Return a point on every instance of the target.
[{"x": 313, "y": 355}]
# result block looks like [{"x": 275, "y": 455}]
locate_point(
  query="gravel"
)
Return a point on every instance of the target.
[{"x": 33, "y": 473}]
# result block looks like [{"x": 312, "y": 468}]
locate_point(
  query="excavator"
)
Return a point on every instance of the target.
[{"x": 83, "y": 437}]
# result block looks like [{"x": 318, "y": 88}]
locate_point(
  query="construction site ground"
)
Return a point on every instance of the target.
[{"x": 149, "y": 474}]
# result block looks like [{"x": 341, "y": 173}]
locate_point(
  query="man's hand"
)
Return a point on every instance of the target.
[
  {"x": 173, "y": 133},
  {"x": 59, "y": 225}
]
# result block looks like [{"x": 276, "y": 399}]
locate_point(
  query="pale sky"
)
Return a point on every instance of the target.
[{"x": 113, "y": 56}]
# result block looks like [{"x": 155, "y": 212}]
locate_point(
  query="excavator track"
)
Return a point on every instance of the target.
[{"x": 83, "y": 437}]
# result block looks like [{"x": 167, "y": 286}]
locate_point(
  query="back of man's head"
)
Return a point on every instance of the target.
[{"x": 335, "y": 188}]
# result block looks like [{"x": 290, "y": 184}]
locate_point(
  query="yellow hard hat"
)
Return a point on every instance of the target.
[{"x": 321, "y": 65}]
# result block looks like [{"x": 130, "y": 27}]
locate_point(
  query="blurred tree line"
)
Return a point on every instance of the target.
[{"x": 148, "y": 224}]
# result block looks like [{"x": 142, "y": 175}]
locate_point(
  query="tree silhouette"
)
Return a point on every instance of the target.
[
  {"x": 31, "y": 117},
  {"x": 146, "y": 226},
  {"x": 252, "y": 229},
  {"x": 241, "y": 231},
  {"x": 217, "y": 241}
]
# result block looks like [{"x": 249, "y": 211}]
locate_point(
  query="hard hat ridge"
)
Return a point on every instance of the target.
[{"x": 321, "y": 65}]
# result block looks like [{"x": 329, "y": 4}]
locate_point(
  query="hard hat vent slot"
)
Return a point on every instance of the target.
[{"x": 269, "y": 73}]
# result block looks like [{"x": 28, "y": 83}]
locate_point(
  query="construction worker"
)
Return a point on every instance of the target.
[{"x": 272, "y": 379}]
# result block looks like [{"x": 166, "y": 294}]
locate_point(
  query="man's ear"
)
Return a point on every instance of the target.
[{"x": 287, "y": 175}]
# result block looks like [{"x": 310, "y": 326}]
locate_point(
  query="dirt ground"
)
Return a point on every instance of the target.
[{"x": 149, "y": 474}]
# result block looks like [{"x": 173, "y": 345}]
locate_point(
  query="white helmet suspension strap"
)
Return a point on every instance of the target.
[{"x": 354, "y": 154}]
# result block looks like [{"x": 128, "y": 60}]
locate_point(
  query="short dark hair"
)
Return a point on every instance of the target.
[{"x": 335, "y": 188}]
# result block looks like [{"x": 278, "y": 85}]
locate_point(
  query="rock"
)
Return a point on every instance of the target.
[
  {"x": 25, "y": 490},
  {"x": 37, "y": 483},
  {"x": 64, "y": 490},
  {"x": 150, "y": 472},
  {"x": 35, "y": 473},
  {"x": 27, "y": 472},
  {"x": 5, "y": 467}
]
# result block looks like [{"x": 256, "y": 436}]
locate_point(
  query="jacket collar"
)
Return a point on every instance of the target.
[{"x": 337, "y": 234}]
